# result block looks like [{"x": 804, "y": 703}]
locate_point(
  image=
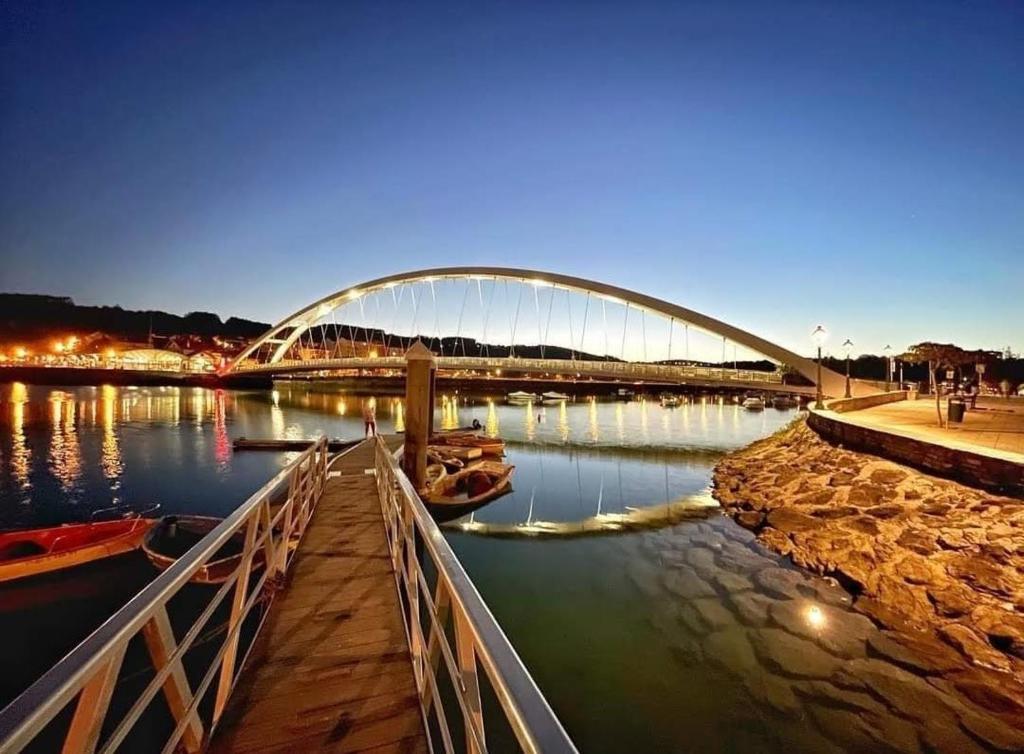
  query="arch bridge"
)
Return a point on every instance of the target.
[{"x": 496, "y": 321}]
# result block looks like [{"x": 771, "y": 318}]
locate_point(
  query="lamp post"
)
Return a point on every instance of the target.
[
  {"x": 847, "y": 349},
  {"x": 818, "y": 336},
  {"x": 888, "y": 367}
]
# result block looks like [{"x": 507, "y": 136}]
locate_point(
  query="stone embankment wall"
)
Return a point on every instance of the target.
[
  {"x": 843, "y": 405},
  {"x": 939, "y": 564},
  {"x": 975, "y": 469}
]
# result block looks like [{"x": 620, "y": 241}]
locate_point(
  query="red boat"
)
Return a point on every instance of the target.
[{"x": 33, "y": 551}]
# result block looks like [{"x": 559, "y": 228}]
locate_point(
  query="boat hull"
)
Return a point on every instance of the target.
[
  {"x": 173, "y": 536},
  {"x": 35, "y": 551}
]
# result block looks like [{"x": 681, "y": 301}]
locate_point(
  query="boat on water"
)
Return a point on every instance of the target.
[
  {"x": 783, "y": 402},
  {"x": 173, "y": 536},
  {"x": 754, "y": 404},
  {"x": 457, "y": 494},
  {"x": 624, "y": 394},
  {"x": 671, "y": 401},
  {"x": 553, "y": 397},
  {"x": 520, "y": 398},
  {"x": 488, "y": 446},
  {"x": 33, "y": 551}
]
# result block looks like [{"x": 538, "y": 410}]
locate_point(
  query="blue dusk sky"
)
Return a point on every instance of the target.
[{"x": 774, "y": 165}]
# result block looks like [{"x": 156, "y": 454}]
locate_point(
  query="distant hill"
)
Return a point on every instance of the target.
[{"x": 28, "y": 316}]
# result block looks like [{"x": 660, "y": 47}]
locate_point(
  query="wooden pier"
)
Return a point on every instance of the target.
[{"x": 332, "y": 671}]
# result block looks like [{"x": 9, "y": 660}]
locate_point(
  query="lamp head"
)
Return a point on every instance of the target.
[
  {"x": 848, "y": 347},
  {"x": 819, "y": 335}
]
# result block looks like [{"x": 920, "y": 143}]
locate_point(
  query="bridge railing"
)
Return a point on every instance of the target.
[
  {"x": 629, "y": 370},
  {"x": 420, "y": 553},
  {"x": 67, "y": 708}
]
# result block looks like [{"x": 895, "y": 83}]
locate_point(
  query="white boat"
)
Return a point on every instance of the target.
[
  {"x": 671, "y": 401},
  {"x": 553, "y": 397},
  {"x": 521, "y": 398},
  {"x": 753, "y": 404}
]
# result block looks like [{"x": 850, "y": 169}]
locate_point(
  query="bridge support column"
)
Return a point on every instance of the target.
[{"x": 419, "y": 412}]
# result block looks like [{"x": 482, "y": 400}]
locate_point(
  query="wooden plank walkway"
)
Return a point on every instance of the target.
[{"x": 332, "y": 671}]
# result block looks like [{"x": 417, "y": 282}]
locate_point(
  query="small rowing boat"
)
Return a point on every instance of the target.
[
  {"x": 488, "y": 446},
  {"x": 173, "y": 536},
  {"x": 464, "y": 491},
  {"x": 32, "y": 551}
]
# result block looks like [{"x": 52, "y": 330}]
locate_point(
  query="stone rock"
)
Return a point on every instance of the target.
[
  {"x": 937, "y": 509},
  {"x": 918, "y": 651},
  {"x": 953, "y": 539},
  {"x": 994, "y": 692},
  {"x": 730, "y": 649},
  {"x": 789, "y": 520},
  {"x": 692, "y": 621},
  {"x": 731, "y": 582},
  {"x": 776, "y": 540},
  {"x": 841, "y": 479},
  {"x": 816, "y": 498},
  {"x": 916, "y": 569},
  {"x": 737, "y": 534},
  {"x": 829, "y": 695},
  {"x": 702, "y": 559},
  {"x": 866, "y": 731},
  {"x": 714, "y": 613},
  {"x": 885, "y": 512},
  {"x": 780, "y": 583},
  {"x": 862, "y": 525},
  {"x": 921, "y": 541},
  {"x": 687, "y": 584},
  {"x": 1004, "y": 628},
  {"x": 972, "y": 646},
  {"x": 751, "y": 607},
  {"x": 750, "y": 519},
  {"x": 911, "y": 601},
  {"x": 953, "y": 599},
  {"x": 857, "y": 570},
  {"x": 830, "y": 512},
  {"x": 839, "y": 632},
  {"x": 829, "y": 591},
  {"x": 888, "y": 476},
  {"x": 982, "y": 574},
  {"x": 868, "y": 495},
  {"x": 897, "y": 688},
  {"x": 772, "y": 691},
  {"x": 993, "y": 732},
  {"x": 788, "y": 655}
]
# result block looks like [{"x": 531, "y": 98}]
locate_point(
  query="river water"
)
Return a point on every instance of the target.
[{"x": 650, "y": 621}]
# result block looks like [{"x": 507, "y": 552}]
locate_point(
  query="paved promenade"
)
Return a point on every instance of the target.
[{"x": 996, "y": 426}]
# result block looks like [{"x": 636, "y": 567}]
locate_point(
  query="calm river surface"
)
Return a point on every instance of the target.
[{"x": 652, "y": 638}]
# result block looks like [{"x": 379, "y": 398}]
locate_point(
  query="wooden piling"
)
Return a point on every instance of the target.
[{"x": 419, "y": 411}]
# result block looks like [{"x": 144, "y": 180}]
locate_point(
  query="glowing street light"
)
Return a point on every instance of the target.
[
  {"x": 888, "y": 367},
  {"x": 848, "y": 349},
  {"x": 818, "y": 336}
]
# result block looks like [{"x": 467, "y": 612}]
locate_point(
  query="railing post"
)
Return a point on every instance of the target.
[
  {"x": 413, "y": 587},
  {"x": 160, "y": 642},
  {"x": 91, "y": 709},
  {"x": 466, "y": 652},
  {"x": 227, "y": 668}
]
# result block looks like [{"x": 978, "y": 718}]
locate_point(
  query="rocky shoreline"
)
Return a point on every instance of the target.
[{"x": 938, "y": 565}]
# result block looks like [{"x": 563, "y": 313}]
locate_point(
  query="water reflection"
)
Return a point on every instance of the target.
[
  {"x": 21, "y": 456},
  {"x": 65, "y": 457},
  {"x": 110, "y": 454}
]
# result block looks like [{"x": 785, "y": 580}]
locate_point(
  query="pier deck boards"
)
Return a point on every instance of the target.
[{"x": 331, "y": 671}]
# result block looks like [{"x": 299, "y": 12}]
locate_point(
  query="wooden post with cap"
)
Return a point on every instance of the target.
[{"x": 419, "y": 412}]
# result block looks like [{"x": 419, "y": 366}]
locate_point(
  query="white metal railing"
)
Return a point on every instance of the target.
[
  {"x": 88, "y": 677},
  {"x": 589, "y": 368},
  {"x": 417, "y": 546}
]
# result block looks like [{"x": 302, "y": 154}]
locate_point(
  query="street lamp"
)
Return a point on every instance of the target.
[
  {"x": 888, "y": 367},
  {"x": 848, "y": 349},
  {"x": 818, "y": 336}
]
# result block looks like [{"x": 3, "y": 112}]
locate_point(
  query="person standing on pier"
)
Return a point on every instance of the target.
[{"x": 369, "y": 417}]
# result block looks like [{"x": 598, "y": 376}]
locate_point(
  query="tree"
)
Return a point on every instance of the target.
[{"x": 937, "y": 356}]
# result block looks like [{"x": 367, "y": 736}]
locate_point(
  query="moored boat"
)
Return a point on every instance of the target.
[
  {"x": 521, "y": 398},
  {"x": 554, "y": 397},
  {"x": 670, "y": 401},
  {"x": 754, "y": 404},
  {"x": 783, "y": 402},
  {"x": 33, "y": 551},
  {"x": 459, "y": 493},
  {"x": 173, "y": 536},
  {"x": 489, "y": 446}
]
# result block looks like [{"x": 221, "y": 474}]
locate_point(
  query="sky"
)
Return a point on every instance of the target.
[{"x": 774, "y": 165}]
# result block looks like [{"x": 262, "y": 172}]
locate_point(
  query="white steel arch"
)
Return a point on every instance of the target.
[{"x": 286, "y": 332}]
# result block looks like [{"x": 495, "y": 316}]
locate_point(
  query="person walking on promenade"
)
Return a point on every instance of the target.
[{"x": 369, "y": 417}]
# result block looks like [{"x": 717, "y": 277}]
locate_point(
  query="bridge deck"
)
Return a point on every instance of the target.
[{"x": 332, "y": 670}]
